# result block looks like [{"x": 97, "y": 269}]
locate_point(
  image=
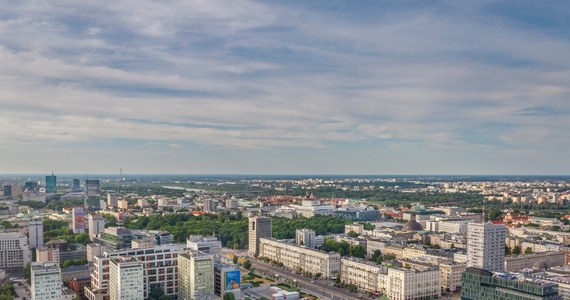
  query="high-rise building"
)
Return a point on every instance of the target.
[
  {"x": 30, "y": 185},
  {"x": 14, "y": 251},
  {"x": 96, "y": 225},
  {"x": 92, "y": 194},
  {"x": 76, "y": 186},
  {"x": 78, "y": 220},
  {"x": 46, "y": 281},
  {"x": 44, "y": 254},
  {"x": 36, "y": 234},
  {"x": 112, "y": 200},
  {"x": 51, "y": 184},
  {"x": 227, "y": 278},
  {"x": 479, "y": 284},
  {"x": 196, "y": 274},
  {"x": 209, "y": 205},
  {"x": 7, "y": 189},
  {"x": 125, "y": 279},
  {"x": 259, "y": 227},
  {"x": 486, "y": 246},
  {"x": 306, "y": 238},
  {"x": 160, "y": 269}
]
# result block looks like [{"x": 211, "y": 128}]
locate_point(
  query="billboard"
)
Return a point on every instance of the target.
[
  {"x": 78, "y": 220},
  {"x": 233, "y": 280}
]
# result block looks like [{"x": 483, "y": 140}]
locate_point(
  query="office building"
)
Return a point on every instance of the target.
[
  {"x": 46, "y": 281},
  {"x": 300, "y": 258},
  {"x": 92, "y": 195},
  {"x": 209, "y": 245},
  {"x": 196, "y": 274},
  {"x": 451, "y": 275},
  {"x": 7, "y": 189},
  {"x": 78, "y": 220},
  {"x": 365, "y": 275},
  {"x": 14, "y": 251},
  {"x": 231, "y": 203},
  {"x": 116, "y": 238},
  {"x": 51, "y": 184},
  {"x": 112, "y": 200},
  {"x": 160, "y": 268},
  {"x": 96, "y": 225},
  {"x": 44, "y": 254},
  {"x": 75, "y": 186},
  {"x": 306, "y": 238},
  {"x": 486, "y": 246},
  {"x": 31, "y": 185},
  {"x": 162, "y": 238},
  {"x": 479, "y": 284},
  {"x": 259, "y": 227},
  {"x": 209, "y": 205},
  {"x": 227, "y": 278},
  {"x": 36, "y": 234},
  {"x": 125, "y": 279},
  {"x": 404, "y": 284}
]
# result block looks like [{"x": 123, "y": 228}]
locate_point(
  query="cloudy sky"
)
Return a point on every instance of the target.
[{"x": 329, "y": 86}]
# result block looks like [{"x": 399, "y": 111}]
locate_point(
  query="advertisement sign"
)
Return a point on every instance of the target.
[
  {"x": 78, "y": 219},
  {"x": 233, "y": 280}
]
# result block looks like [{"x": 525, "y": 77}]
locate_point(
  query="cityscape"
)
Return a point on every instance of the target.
[
  {"x": 278, "y": 237},
  {"x": 285, "y": 150}
]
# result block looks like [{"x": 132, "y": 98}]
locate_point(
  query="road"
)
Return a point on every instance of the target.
[{"x": 316, "y": 287}]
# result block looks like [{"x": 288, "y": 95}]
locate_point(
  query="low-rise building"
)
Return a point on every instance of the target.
[
  {"x": 541, "y": 260},
  {"x": 365, "y": 275},
  {"x": 300, "y": 258},
  {"x": 404, "y": 284}
]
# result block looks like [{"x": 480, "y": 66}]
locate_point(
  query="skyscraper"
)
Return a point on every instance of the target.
[
  {"x": 96, "y": 225},
  {"x": 259, "y": 227},
  {"x": 92, "y": 194},
  {"x": 195, "y": 273},
  {"x": 76, "y": 186},
  {"x": 46, "y": 281},
  {"x": 125, "y": 279},
  {"x": 486, "y": 246},
  {"x": 51, "y": 184},
  {"x": 36, "y": 234}
]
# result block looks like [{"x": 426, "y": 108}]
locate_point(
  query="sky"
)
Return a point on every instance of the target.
[{"x": 285, "y": 87}]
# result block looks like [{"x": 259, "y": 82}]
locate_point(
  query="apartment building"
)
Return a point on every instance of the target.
[
  {"x": 196, "y": 274},
  {"x": 14, "y": 251},
  {"x": 46, "y": 281},
  {"x": 300, "y": 258},
  {"x": 125, "y": 279},
  {"x": 541, "y": 260},
  {"x": 365, "y": 275},
  {"x": 407, "y": 284}
]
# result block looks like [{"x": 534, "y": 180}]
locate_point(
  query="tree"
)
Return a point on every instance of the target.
[
  {"x": 235, "y": 259},
  {"x": 247, "y": 264},
  {"x": 352, "y": 234},
  {"x": 516, "y": 250},
  {"x": 528, "y": 250},
  {"x": 229, "y": 296}
]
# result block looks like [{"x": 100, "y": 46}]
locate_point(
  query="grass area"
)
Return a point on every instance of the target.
[{"x": 307, "y": 296}]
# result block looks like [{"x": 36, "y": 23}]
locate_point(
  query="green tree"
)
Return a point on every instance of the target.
[
  {"x": 528, "y": 250},
  {"x": 235, "y": 259},
  {"x": 516, "y": 250},
  {"x": 229, "y": 296},
  {"x": 247, "y": 264},
  {"x": 352, "y": 234}
]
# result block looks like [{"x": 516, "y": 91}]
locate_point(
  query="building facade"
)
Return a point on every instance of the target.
[
  {"x": 45, "y": 281},
  {"x": 259, "y": 227},
  {"x": 14, "y": 251},
  {"x": 300, "y": 259},
  {"x": 96, "y": 225},
  {"x": 125, "y": 279},
  {"x": 36, "y": 234},
  {"x": 541, "y": 259},
  {"x": 486, "y": 246},
  {"x": 306, "y": 238},
  {"x": 196, "y": 273},
  {"x": 412, "y": 284},
  {"x": 365, "y": 275},
  {"x": 51, "y": 184}
]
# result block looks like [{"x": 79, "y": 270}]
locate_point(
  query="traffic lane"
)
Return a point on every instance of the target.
[{"x": 317, "y": 285}]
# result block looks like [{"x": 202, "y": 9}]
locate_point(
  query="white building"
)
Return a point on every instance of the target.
[
  {"x": 451, "y": 275},
  {"x": 459, "y": 227},
  {"x": 160, "y": 268},
  {"x": 125, "y": 279},
  {"x": 14, "y": 251},
  {"x": 300, "y": 258},
  {"x": 365, "y": 275},
  {"x": 404, "y": 284},
  {"x": 36, "y": 234},
  {"x": 259, "y": 227},
  {"x": 46, "y": 281},
  {"x": 486, "y": 246},
  {"x": 112, "y": 200},
  {"x": 305, "y": 238},
  {"x": 96, "y": 225},
  {"x": 209, "y": 205},
  {"x": 311, "y": 208},
  {"x": 196, "y": 274},
  {"x": 209, "y": 245}
]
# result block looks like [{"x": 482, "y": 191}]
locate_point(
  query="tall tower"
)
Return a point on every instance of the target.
[
  {"x": 486, "y": 246},
  {"x": 51, "y": 184},
  {"x": 92, "y": 194},
  {"x": 76, "y": 186},
  {"x": 96, "y": 225},
  {"x": 126, "y": 279},
  {"x": 259, "y": 227},
  {"x": 36, "y": 234}
]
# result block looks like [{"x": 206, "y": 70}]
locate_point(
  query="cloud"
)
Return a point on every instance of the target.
[{"x": 266, "y": 75}]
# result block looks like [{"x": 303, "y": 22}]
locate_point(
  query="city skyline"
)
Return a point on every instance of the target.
[{"x": 246, "y": 87}]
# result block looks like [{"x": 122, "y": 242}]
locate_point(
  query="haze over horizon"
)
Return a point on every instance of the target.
[{"x": 295, "y": 87}]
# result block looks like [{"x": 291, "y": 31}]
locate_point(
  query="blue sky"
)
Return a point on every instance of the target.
[{"x": 353, "y": 87}]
